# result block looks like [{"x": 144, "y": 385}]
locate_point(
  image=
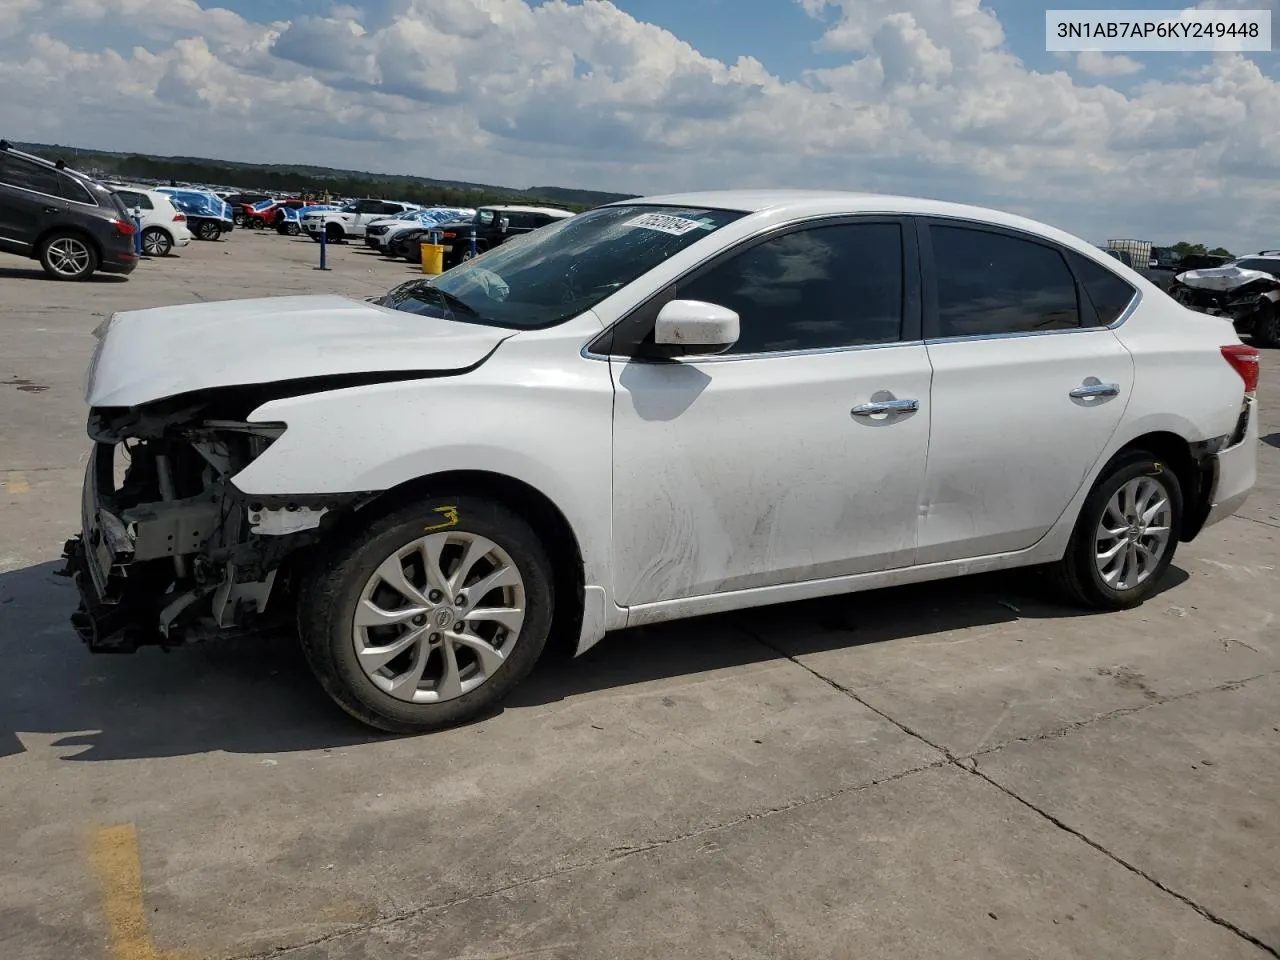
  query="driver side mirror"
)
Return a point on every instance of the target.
[
  {"x": 503, "y": 225},
  {"x": 686, "y": 328}
]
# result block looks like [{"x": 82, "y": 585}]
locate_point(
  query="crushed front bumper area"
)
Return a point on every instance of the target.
[{"x": 155, "y": 565}]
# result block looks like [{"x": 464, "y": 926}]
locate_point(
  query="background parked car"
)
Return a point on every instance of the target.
[
  {"x": 349, "y": 221},
  {"x": 381, "y": 233},
  {"x": 208, "y": 216},
  {"x": 1245, "y": 291},
  {"x": 492, "y": 226},
  {"x": 239, "y": 201},
  {"x": 289, "y": 222},
  {"x": 164, "y": 226},
  {"x": 66, "y": 220}
]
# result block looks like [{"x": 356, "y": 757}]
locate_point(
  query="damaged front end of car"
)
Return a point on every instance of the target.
[
  {"x": 170, "y": 550},
  {"x": 1250, "y": 299}
]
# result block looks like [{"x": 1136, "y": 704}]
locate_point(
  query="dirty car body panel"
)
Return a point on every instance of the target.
[{"x": 233, "y": 441}]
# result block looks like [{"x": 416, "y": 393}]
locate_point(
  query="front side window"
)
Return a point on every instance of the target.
[
  {"x": 547, "y": 276},
  {"x": 484, "y": 218},
  {"x": 991, "y": 283},
  {"x": 29, "y": 176},
  {"x": 1256, "y": 263},
  {"x": 821, "y": 288}
]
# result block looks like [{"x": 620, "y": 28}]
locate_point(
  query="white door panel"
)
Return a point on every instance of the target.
[
  {"x": 1010, "y": 445},
  {"x": 739, "y": 473}
]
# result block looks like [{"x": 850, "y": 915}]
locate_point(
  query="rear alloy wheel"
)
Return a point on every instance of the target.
[
  {"x": 208, "y": 230},
  {"x": 430, "y": 615},
  {"x": 1126, "y": 535},
  {"x": 67, "y": 256},
  {"x": 155, "y": 242}
]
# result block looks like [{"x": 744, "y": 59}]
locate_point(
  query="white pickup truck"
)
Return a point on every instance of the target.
[{"x": 352, "y": 219}]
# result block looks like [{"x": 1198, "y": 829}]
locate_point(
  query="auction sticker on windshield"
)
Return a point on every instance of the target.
[{"x": 664, "y": 222}]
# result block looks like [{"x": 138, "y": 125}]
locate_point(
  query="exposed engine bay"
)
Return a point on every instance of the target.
[
  {"x": 170, "y": 550},
  {"x": 1249, "y": 298}
]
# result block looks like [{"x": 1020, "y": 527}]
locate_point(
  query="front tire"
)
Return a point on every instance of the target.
[
  {"x": 1126, "y": 535},
  {"x": 156, "y": 243},
  {"x": 428, "y": 617},
  {"x": 291, "y": 229},
  {"x": 334, "y": 233},
  {"x": 68, "y": 256},
  {"x": 1266, "y": 328}
]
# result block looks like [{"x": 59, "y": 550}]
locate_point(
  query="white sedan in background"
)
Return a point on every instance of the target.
[
  {"x": 164, "y": 226},
  {"x": 657, "y": 409}
]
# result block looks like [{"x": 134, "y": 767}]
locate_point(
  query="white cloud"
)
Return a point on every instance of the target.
[
  {"x": 1098, "y": 64},
  {"x": 929, "y": 100}
]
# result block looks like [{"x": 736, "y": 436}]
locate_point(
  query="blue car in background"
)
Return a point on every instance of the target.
[
  {"x": 290, "y": 222},
  {"x": 208, "y": 216}
]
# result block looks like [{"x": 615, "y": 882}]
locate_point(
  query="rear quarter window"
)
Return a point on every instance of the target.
[{"x": 1109, "y": 294}]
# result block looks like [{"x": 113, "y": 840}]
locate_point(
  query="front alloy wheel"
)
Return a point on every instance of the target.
[
  {"x": 439, "y": 617},
  {"x": 429, "y": 615}
]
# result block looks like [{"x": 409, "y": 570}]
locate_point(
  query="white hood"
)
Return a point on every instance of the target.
[{"x": 147, "y": 355}]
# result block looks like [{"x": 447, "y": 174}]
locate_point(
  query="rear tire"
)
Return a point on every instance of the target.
[
  {"x": 156, "y": 243},
  {"x": 291, "y": 229},
  {"x": 1085, "y": 574},
  {"x": 209, "y": 230},
  {"x": 68, "y": 256},
  {"x": 419, "y": 686}
]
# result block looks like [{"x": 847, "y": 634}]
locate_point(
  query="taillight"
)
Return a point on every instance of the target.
[
  {"x": 124, "y": 228},
  {"x": 1244, "y": 360},
  {"x": 450, "y": 235},
  {"x": 179, "y": 218}
]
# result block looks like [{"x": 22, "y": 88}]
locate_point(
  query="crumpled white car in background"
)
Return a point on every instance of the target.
[{"x": 657, "y": 409}]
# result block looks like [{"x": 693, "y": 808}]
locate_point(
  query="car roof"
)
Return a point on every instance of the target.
[
  {"x": 811, "y": 203},
  {"x": 7, "y": 147},
  {"x": 510, "y": 208}
]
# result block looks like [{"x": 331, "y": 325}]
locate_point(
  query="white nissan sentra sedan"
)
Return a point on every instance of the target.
[{"x": 657, "y": 409}]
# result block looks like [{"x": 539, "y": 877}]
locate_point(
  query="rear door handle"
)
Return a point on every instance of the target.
[
  {"x": 1087, "y": 390},
  {"x": 885, "y": 406}
]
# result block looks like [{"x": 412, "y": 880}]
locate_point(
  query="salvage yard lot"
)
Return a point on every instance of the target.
[{"x": 963, "y": 769}]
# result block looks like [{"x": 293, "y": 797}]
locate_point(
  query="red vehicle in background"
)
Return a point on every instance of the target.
[{"x": 268, "y": 212}]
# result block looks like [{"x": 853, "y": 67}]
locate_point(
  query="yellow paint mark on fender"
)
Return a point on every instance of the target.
[
  {"x": 450, "y": 515},
  {"x": 113, "y": 854},
  {"x": 17, "y": 483},
  {"x": 1159, "y": 469}
]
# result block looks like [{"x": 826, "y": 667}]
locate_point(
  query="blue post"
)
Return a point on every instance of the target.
[
  {"x": 473, "y": 242},
  {"x": 137, "y": 232},
  {"x": 324, "y": 250}
]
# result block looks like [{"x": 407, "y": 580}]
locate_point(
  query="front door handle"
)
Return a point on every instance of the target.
[
  {"x": 877, "y": 407},
  {"x": 1088, "y": 390}
]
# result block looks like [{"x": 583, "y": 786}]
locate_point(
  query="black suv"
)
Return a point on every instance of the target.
[
  {"x": 492, "y": 225},
  {"x": 64, "y": 219}
]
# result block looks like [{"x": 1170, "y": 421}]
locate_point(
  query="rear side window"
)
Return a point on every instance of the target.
[
  {"x": 991, "y": 283},
  {"x": 1109, "y": 294},
  {"x": 29, "y": 176},
  {"x": 132, "y": 198},
  {"x": 1266, "y": 266},
  {"x": 73, "y": 189},
  {"x": 820, "y": 288}
]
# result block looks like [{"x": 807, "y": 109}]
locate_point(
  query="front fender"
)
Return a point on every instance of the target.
[{"x": 549, "y": 427}]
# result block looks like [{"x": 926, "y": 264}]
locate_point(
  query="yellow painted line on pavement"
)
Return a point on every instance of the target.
[
  {"x": 17, "y": 482},
  {"x": 113, "y": 854}
]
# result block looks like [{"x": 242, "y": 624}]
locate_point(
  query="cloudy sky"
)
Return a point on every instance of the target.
[{"x": 942, "y": 98}]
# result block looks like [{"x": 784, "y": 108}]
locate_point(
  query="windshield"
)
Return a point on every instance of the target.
[{"x": 551, "y": 274}]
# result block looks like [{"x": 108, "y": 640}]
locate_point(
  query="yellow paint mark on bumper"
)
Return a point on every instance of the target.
[{"x": 114, "y": 857}]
